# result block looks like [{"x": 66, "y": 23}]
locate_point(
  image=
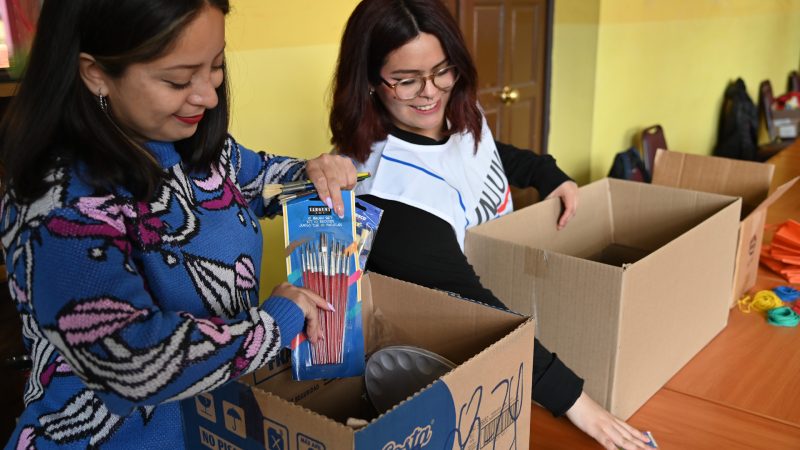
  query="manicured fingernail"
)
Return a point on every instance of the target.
[
  {"x": 340, "y": 212},
  {"x": 331, "y": 308},
  {"x": 329, "y": 202}
]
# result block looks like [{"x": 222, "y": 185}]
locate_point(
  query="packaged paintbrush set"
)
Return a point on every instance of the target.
[{"x": 323, "y": 255}]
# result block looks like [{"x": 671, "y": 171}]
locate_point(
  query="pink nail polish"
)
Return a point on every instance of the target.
[
  {"x": 329, "y": 202},
  {"x": 331, "y": 308}
]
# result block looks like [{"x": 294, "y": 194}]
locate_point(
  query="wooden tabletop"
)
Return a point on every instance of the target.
[{"x": 742, "y": 391}]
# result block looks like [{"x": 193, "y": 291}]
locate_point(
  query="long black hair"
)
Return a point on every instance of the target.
[
  {"x": 54, "y": 119},
  {"x": 374, "y": 30}
]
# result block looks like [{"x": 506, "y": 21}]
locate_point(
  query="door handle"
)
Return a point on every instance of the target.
[{"x": 508, "y": 95}]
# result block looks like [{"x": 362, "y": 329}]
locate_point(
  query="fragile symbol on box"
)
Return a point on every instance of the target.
[
  {"x": 234, "y": 419},
  {"x": 205, "y": 406},
  {"x": 276, "y": 436}
]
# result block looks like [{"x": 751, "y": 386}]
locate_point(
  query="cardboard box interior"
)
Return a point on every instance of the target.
[
  {"x": 628, "y": 292},
  {"x": 612, "y": 213},
  {"x": 395, "y": 313},
  {"x": 493, "y": 350}
]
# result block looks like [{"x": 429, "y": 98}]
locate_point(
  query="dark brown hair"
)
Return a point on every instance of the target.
[
  {"x": 54, "y": 119},
  {"x": 375, "y": 29}
]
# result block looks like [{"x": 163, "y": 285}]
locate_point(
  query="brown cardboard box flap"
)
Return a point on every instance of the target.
[
  {"x": 778, "y": 193},
  {"x": 747, "y": 179}
]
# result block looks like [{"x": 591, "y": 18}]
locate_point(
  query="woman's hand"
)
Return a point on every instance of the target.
[
  {"x": 308, "y": 302},
  {"x": 611, "y": 432},
  {"x": 330, "y": 174},
  {"x": 568, "y": 193}
]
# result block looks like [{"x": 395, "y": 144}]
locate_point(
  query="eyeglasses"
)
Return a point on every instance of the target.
[{"x": 411, "y": 88}]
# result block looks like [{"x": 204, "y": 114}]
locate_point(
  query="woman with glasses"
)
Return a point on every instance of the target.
[{"x": 405, "y": 108}]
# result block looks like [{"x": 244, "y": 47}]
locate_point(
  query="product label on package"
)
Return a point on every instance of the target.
[
  {"x": 488, "y": 417},
  {"x": 319, "y": 211}
]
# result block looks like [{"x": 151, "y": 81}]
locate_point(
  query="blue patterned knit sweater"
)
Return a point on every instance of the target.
[{"x": 128, "y": 306}]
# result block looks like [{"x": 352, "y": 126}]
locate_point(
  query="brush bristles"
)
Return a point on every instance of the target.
[{"x": 271, "y": 190}]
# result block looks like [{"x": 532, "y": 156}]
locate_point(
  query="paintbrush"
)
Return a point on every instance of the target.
[
  {"x": 293, "y": 187},
  {"x": 283, "y": 198}
]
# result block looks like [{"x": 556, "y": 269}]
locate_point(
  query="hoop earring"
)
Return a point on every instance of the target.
[{"x": 101, "y": 99}]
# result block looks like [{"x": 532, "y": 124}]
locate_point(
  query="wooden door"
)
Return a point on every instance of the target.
[{"x": 508, "y": 41}]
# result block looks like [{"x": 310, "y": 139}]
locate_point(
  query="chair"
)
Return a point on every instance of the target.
[
  {"x": 652, "y": 139},
  {"x": 775, "y": 144},
  {"x": 793, "y": 82},
  {"x": 765, "y": 99}
]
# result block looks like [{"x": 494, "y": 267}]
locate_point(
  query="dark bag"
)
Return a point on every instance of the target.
[
  {"x": 737, "y": 136},
  {"x": 628, "y": 165}
]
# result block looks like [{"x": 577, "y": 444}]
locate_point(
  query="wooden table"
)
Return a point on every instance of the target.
[{"x": 742, "y": 391}]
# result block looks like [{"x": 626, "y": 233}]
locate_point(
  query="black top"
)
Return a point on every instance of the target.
[{"x": 419, "y": 247}]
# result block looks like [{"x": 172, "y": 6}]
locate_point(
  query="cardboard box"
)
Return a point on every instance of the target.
[
  {"x": 485, "y": 400},
  {"x": 746, "y": 179},
  {"x": 634, "y": 286}
]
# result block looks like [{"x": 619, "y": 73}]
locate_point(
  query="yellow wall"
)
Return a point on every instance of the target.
[
  {"x": 280, "y": 57},
  {"x": 664, "y": 62},
  {"x": 573, "y": 85},
  {"x": 618, "y": 66}
]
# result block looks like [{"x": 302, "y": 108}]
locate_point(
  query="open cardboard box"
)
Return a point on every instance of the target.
[
  {"x": 485, "y": 400},
  {"x": 634, "y": 286},
  {"x": 746, "y": 179}
]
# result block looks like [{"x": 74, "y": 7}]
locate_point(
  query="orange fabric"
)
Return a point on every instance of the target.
[
  {"x": 775, "y": 266},
  {"x": 782, "y": 243},
  {"x": 782, "y": 256},
  {"x": 771, "y": 263},
  {"x": 786, "y": 257},
  {"x": 789, "y": 230}
]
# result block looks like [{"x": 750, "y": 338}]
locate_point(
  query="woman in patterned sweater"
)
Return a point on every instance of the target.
[{"x": 130, "y": 224}]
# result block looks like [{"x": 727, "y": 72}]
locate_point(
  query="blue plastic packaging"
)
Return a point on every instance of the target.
[{"x": 322, "y": 255}]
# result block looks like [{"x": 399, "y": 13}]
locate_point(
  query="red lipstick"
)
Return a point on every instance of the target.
[{"x": 191, "y": 120}]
